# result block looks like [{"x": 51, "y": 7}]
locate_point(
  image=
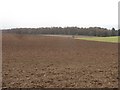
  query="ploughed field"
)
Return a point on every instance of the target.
[{"x": 46, "y": 61}]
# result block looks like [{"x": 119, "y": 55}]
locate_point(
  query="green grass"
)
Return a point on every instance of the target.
[{"x": 112, "y": 39}]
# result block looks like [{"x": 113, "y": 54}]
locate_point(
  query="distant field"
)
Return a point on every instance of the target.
[{"x": 113, "y": 39}]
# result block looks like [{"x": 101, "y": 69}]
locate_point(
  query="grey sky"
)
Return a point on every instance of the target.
[{"x": 47, "y": 13}]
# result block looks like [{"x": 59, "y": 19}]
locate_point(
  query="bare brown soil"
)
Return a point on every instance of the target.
[{"x": 45, "y": 61}]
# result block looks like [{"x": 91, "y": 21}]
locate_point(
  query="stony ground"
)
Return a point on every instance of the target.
[{"x": 46, "y": 61}]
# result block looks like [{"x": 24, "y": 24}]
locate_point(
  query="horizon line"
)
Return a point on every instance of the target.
[{"x": 58, "y": 27}]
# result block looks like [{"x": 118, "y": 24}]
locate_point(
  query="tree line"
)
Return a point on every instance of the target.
[{"x": 91, "y": 31}]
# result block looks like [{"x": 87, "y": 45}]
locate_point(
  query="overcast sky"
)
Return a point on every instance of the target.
[{"x": 49, "y": 13}]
